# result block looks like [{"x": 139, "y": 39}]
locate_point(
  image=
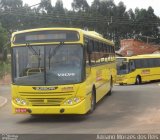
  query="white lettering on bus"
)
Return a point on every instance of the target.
[{"x": 66, "y": 74}]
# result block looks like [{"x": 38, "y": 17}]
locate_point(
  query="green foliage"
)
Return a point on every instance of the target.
[
  {"x": 103, "y": 16},
  {"x": 80, "y": 5},
  {"x": 59, "y": 7},
  {"x": 45, "y": 6},
  {"x": 3, "y": 43},
  {"x": 10, "y": 4},
  {"x": 5, "y": 68}
]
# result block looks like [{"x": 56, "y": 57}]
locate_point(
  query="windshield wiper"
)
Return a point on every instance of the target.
[
  {"x": 32, "y": 49},
  {"x": 54, "y": 51},
  {"x": 35, "y": 53}
]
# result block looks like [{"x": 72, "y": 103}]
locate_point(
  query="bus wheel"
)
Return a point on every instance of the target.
[
  {"x": 93, "y": 101},
  {"x": 138, "y": 80},
  {"x": 111, "y": 85}
]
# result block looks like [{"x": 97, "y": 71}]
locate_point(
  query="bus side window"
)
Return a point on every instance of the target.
[
  {"x": 90, "y": 60},
  {"x": 132, "y": 65},
  {"x": 137, "y": 63},
  {"x": 159, "y": 62}
]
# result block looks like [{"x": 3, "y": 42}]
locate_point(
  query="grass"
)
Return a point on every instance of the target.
[{"x": 5, "y": 68}]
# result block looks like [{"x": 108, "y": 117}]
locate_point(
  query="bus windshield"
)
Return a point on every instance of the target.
[
  {"x": 47, "y": 65},
  {"x": 122, "y": 66}
]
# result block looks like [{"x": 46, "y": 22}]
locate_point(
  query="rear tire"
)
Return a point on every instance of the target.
[
  {"x": 138, "y": 80},
  {"x": 111, "y": 85}
]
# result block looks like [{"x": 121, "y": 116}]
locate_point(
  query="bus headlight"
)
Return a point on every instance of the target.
[
  {"x": 23, "y": 102},
  {"x": 69, "y": 102},
  {"x": 20, "y": 101},
  {"x": 76, "y": 100},
  {"x": 73, "y": 101}
]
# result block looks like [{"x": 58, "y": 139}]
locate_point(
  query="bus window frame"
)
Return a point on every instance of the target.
[
  {"x": 83, "y": 72},
  {"x": 107, "y": 50}
]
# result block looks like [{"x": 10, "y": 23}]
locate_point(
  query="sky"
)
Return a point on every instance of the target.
[{"x": 129, "y": 4}]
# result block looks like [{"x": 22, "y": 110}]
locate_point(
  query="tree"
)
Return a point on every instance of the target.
[
  {"x": 11, "y": 10},
  {"x": 80, "y": 5},
  {"x": 146, "y": 22},
  {"x": 3, "y": 42},
  {"x": 95, "y": 7},
  {"x": 45, "y": 6},
  {"x": 59, "y": 6},
  {"x": 103, "y": 16},
  {"x": 132, "y": 25},
  {"x": 10, "y": 4}
]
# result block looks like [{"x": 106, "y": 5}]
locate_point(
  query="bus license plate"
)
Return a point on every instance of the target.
[{"x": 21, "y": 110}]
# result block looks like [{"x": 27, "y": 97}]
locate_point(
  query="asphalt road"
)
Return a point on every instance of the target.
[{"x": 130, "y": 109}]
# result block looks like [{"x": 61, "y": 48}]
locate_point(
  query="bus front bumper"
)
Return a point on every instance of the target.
[
  {"x": 80, "y": 108},
  {"x": 121, "y": 80},
  {"x": 125, "y": 80}
]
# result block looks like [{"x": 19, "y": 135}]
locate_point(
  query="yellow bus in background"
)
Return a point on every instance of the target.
[
  {"x": 138, "y": 69},
  {"x": 60, "y": 70}
]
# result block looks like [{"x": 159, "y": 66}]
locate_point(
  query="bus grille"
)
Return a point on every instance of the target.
[
  {"x": 46, "y": 98},
  {"x": 46, "y": 101}
]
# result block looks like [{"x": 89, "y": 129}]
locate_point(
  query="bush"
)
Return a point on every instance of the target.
[{"x": 5, "y": 68}]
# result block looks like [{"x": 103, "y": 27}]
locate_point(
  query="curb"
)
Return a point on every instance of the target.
[{"x": 3, "y": 101}]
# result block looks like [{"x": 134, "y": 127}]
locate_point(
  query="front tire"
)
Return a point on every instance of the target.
[{"x": 93, "y": 101}]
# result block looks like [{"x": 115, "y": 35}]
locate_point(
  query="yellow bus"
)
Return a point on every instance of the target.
[
  {"x": 60, "y": 70},
  {"x": 138, "y": 69}
]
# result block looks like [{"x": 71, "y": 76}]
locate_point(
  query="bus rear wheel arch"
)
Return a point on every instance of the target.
[{"x": 138, "y": 80}]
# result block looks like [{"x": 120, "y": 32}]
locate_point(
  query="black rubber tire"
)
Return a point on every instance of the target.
[
  {"x": 93, "y": 101},
  {"x": 138, "y": 80},
  {"x": 111, "y": 85}
]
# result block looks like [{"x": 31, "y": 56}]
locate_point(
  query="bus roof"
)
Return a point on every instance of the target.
[
  {"x": 91, "y": 34},
  {"x": 94, "y": 34},
  {"x": 142, "y": 56},
  {"x": 44, "y": 29}
]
